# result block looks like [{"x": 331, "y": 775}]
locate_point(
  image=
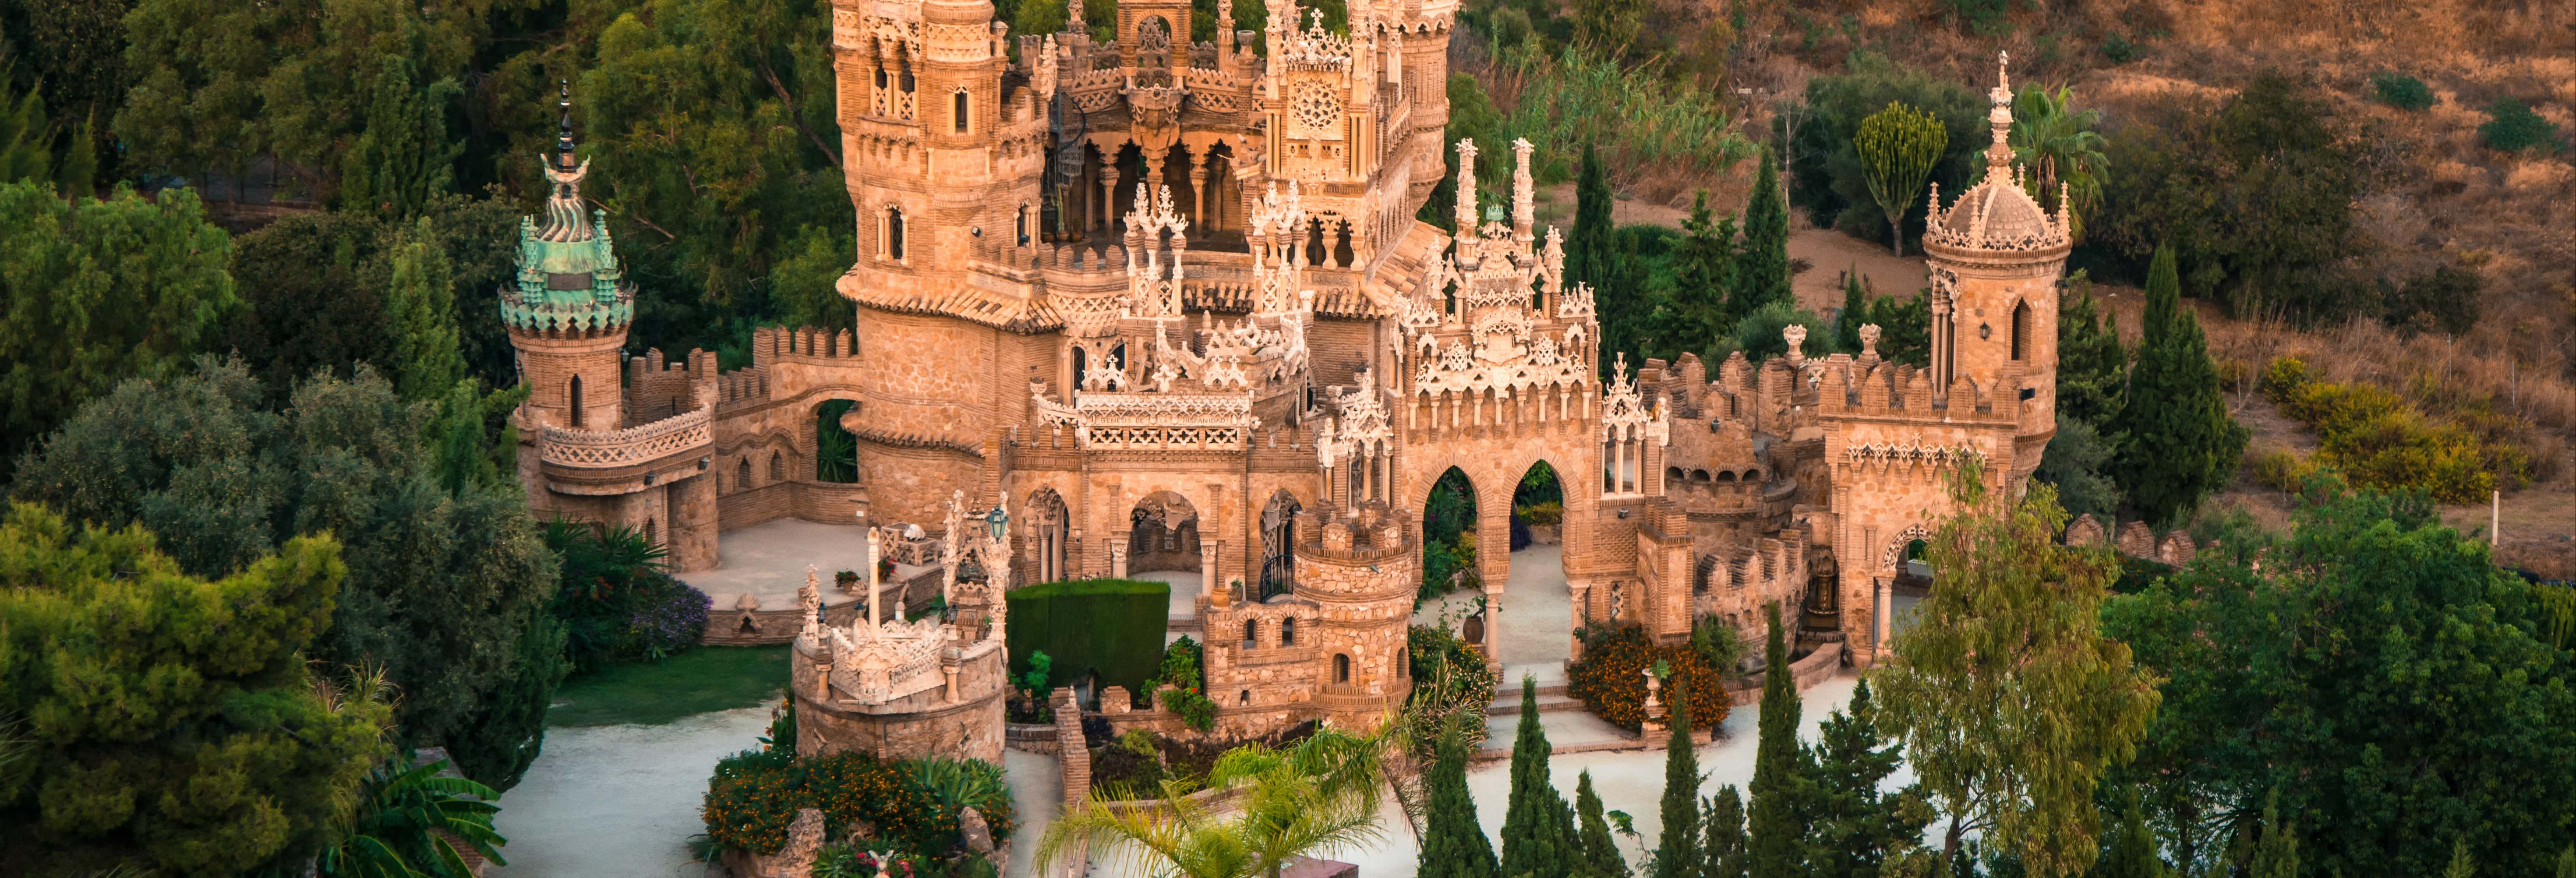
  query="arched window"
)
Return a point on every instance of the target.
[
  {"x": 957, "y": 104},
  {"x": 1288, "y": 632},
  {"x": 777, "y": 467},
  {"x": 881, "y": 75},
  {"x": 573, "y": 390},
  {"x": 2021, "y": 331},
  {"x": 742, "y": 475},
  {"x": 1251, "y": 633},
  {"x": 1020, "y": 226},
  {"x": 1341, "y": 668},
  {"x": 652, "y": 534},
  {"x": 890, "y": 234}
]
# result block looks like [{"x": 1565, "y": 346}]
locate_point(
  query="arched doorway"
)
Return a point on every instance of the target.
[
  {"x": 1049, "y": 528},
  {"x": 1449, "y": 536},
  {"x": 1163, "y": 534},
  {"x": 836, "y": 451},
  {"x": 1278, "y": 545}
]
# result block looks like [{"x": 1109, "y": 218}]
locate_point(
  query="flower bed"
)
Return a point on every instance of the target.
[
  {"x": 910, "y": 805},
  {"x": 1609, "y": 681}
]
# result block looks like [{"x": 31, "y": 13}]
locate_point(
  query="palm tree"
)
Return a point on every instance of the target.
[
  {"x": 1321, "y": 794},
  {"x": 410, "y": 822},
  {"x": 2059, "y": 144}
]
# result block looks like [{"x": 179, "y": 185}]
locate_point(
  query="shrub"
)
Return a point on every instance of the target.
[
  {"x": 2401, "y": 91},
  {"x": 2378, "y": 440},
  {"x": 667, "y": 616},
  {"x": 2282, "y": 378},
  {"x": 2513, "y": 127},
  {"x": 1179, "y": 688},
  {"x": 1609, "y": 681},
  {"x": 1548, "y": 514},
  {"x": 1449, "y": 680},
  {"x": 2277, "y": 468},
  {"x": 1110, "y": 626},
  {"x": 1719, "y": 645},
  {"x": 2443, "y": 300},
  {"x": 2118, "y": 48}
]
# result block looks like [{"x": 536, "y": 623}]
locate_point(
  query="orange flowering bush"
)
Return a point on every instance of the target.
[{"x": 1609, "y": 683}]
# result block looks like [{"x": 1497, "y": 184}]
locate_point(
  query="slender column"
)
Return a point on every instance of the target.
[
  {"x": 1878, "y": 639},
  {"x": 1198, "y": 185},
  {"x": 1108, "y": 189},
  {"x": 870, "y": 577}
]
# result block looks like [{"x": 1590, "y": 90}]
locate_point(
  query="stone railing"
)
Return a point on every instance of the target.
[
  {"x": 633, "y": 445},
  {"x": 1167, "y": 421}
]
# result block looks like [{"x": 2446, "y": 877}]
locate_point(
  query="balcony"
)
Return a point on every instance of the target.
[{"x": 606, "y": 449}]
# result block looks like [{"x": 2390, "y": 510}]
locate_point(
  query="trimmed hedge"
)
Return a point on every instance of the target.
[{"x": 1110, "y": 626}]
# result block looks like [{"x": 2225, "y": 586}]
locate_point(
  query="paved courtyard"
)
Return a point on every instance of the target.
[{"x": 767, "y": 560}]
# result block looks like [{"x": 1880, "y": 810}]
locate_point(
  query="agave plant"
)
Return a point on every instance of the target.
[
  {"x": 1319, "y": 795},
  {"x": 409, "y": 823}
]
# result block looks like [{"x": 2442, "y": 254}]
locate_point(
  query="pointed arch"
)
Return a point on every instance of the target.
[
  {"x": 1278, "y": 544},
  {"x": 1050, "y": 532}
]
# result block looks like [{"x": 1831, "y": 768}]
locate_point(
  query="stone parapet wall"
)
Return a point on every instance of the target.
[{"x": 925, "y": 723}]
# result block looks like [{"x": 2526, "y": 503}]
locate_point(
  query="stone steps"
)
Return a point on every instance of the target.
[{"x": 1548, "y": 702}]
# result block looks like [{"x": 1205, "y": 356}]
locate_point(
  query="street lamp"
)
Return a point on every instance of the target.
[{"x": 996, "y": 522}]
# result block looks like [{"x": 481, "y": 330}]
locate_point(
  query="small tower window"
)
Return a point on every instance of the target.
[
  {"x": 1288, "y": 632},
  {"x": 2021, "y": 331},
  {"x": 958, "y": 102},
  {"x": 742, "y": 476},
  {"x": 1341, "y": 668},
  {"x": 652, "y": 534},
  {"x": 777, "y": 467},
  {"x": 572, "y": 390},
  {"x": 1251, "y": 633},
  {"x": 890, "y": 237},
  {"x": 881, "y": 75}
]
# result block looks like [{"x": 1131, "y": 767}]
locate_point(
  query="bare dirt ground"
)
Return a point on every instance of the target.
[{"x": 1827, "y": 253}]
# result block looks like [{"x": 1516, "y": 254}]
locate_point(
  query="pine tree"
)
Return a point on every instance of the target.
[
  {"x": 422, "y": 299},
  {"x": 1453, "y": 846},
  {"x": 1775, "y": 834},
  {"x": 1538, "y": 838},
  {"x": 2276, "y": 855},
  {"x": 1677, "y": 854},
  {"x": 1765, "y": 265},
  {"x": 2460, "y": 866},
  {"x": 2129, "y": 850},
  {"x": 2092, "y": 365},
  {"x": 2177, "y": 440},
  {"x": 1600, "y": 853},
  {"x": 2567, "y": 862},
  {"x": 1704, "y": 276},
  {"x": 1588, "y": 247},
  {"x": 404, "y": 157},
  {"x": 1855, "y": 829},
  {"x": 1723, "y": 854}
]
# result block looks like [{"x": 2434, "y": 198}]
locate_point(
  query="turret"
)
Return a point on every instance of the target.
[{"x": 568, "y": 306}]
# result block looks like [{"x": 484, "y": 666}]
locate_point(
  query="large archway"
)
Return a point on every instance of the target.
[
  {"x": 1449, "y": 539},
  {"x": 836, "y": 451}
]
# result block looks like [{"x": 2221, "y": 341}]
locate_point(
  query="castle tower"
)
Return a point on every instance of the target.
[
  {"x": 1995, "y": 257},
  {"x": 568, "y": 308}
]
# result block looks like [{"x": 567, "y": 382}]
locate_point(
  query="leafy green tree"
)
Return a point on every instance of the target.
[
  {"x": 1855, "y": 830},
  {"x": 1723, "y": 854},
  {"x": 2075, "y": 462},
  {"x": 1776, "y": 834},
  {"x": 2092, "y": 366},
  {"x": 2567, "y": 862},
  {"x": 1589, "y": 249},
  {"x": 1453, "y": 846},
  {"x": 75, "y": 49},
  {"x": 2010, "y": 699},
  {"x": 2375, "y": 668},
  {"x": 1898, "y": 147},
  {"x": 422, "y": 300},
  {"x": 412, "y": 822},
  {"x": 1832, "y": 181},
  {"x": 2276, "y": 854},
  {"x": 1704, "y": 276},
  {"x": 1764, "y": 266},
  {"x": 803, "y": 289},
  {"x": 1905, "y": 327},
  {"x": 2254, "y": 195},
  {"x": 2129, "y": 847},
  {"x": 402, "y": 158},
  {"x": 171, "y": 723},
  {"x": 1600, "y": 856},
  {"x": 1538, "y": 831},
  {"x": 2062, "y": 148},
  {"x": 505, "y": 733},
  {"x": 94, "y": 292},
  {"x": 1677, "y": 852},
  {"x": 1609, "y": 26},
  {"x": 2177, "y": 441},
  {"x": 442, "y": 584}
]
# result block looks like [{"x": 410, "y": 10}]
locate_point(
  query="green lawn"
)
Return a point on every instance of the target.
[{"x": 702, "y": 680}]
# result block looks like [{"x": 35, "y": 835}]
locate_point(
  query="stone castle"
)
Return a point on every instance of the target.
[{"x": 1146, "y": 305}]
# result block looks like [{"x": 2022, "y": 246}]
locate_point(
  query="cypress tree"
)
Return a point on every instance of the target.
[
  {"x": 1600, "y": 854},
  {"x": 422, "y": 299},
  {"x": 1677, "y": 855},
  {"x": 2177, "y": 440},
  {"x": 1855, "y": 312},
  {"x": 1703, "y": 273},
  {"x": 1588, "y": 248},
  {"x": 2567, "y": 862},
  {"x": 1537, "y": 831},
  {"x": 1774, "y": 834},
  {"x": 1453, "y": 846},
  {"x": 2092, "y": 365},
  {"x": 2276, "y": 855},
  {"x": 1854, "y": 829},
  {"x": 1765, "y": 267},
  {"x": 1723, "y": 854}
]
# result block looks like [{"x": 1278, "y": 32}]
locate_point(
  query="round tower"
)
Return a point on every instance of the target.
[
  {"x": 568, "y": 308},
  {"x": 1995, "y": 256}
]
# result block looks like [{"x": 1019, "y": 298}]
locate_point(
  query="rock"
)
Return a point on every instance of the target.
[{"x": 977, "y": 832}]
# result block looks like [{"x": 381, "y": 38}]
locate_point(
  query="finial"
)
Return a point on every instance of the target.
[
  {"x": 2003, "y": 69},
  {"x": 563, "y": 127}
]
